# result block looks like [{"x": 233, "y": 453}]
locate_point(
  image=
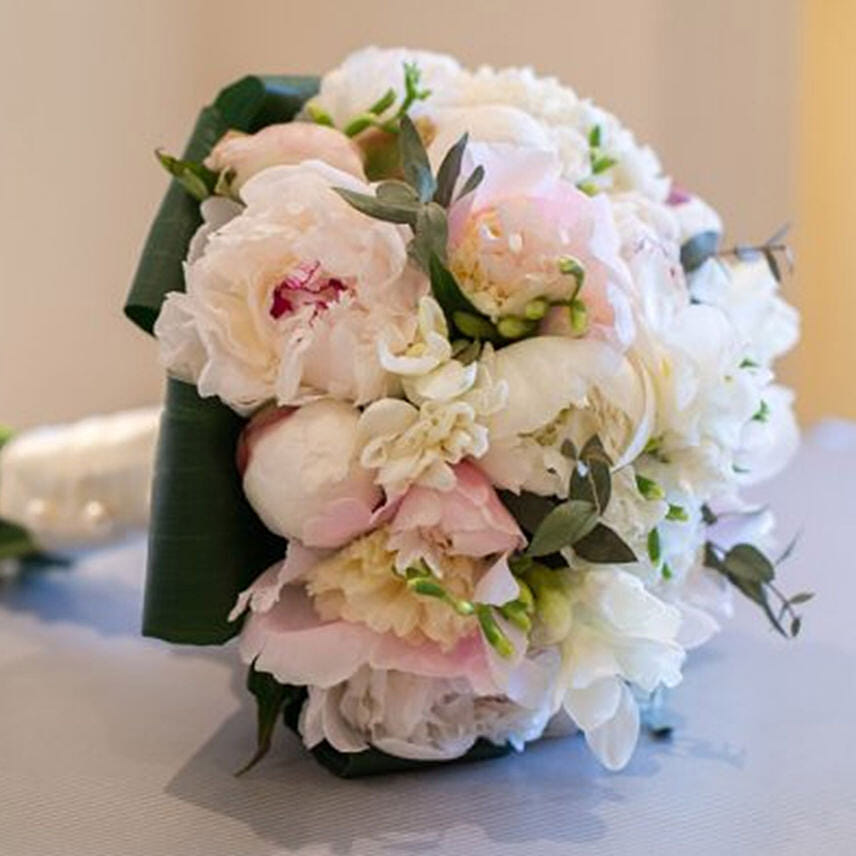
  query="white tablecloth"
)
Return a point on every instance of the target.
[{"x": 115, "y": 745}]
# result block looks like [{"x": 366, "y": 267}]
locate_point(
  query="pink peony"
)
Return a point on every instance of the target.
[
  {"x": 508, "y": 239},
  {"x": 275, "y": 145},
  {"x": 468, "y": 520}
]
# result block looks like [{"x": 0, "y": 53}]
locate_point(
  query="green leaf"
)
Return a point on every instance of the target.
[
  {"x": 390, "y": 212},
  {"x": 414, "y": 160},
  {"x": 430, "y": 236},
  {"x": 802, "y": 597},
  {"x": 194, "y": 177},
  {"x": 748, "y": 563},
  {"x": 448, "y": 294},
  {"x": 528, "y": 509},
  {"x": 205, "y": 542},
  {"x": 450, "y": 169},
  {"x": 604, "y": 546},
  {"x": 773, "y": 264},
  {"x": 594, "y": 137},
  {"x": 474, "y": 180},
  {"x": 248, "y": 105},
  {"x": 15, "y": 541},
  {"x": 708, "y": 516},
  {"x": 565, "y": 525},
  {"x": 593, "y": 482},
  {"x": 397, "y": 193},
  {"x": 698, "y": 249},
  {"x": 271, "y": 698},
  {"x": 796, "y": 625}
]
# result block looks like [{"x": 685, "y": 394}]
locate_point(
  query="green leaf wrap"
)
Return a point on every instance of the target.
[{"x": 205, "y": 542}]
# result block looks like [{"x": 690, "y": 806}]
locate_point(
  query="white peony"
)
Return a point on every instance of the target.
[
  {"x": 412, "y": 716},
  {"x": 562, "y": 389},
  {"x": 302, "y": 475},
  {"x": 288, "y": 298}
]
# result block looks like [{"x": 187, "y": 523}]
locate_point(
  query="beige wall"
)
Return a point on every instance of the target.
[{"x": 88, "y": 89}]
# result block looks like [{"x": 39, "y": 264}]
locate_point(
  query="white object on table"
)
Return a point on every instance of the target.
[
  {"x": 111, "y": 744},
  {"x": 82, "y": 483}
]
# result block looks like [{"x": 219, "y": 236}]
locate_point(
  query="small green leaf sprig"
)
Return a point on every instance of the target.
[
  {"x": 199, "y": 181},
  {"x": 373, "y": 116},
  {"x": 598, "y": 161},
  {"x": 753, "y": 574},
  {"x": 706, "y": 245}
]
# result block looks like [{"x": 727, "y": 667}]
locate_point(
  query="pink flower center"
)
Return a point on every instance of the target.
[{"x": 306, "y": 285}]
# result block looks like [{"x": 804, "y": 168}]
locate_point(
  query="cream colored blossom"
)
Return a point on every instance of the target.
[{"x": 359, "y": 584}]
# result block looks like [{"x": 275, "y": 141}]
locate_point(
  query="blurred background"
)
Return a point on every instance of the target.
[{"x": 751, "y": 103}]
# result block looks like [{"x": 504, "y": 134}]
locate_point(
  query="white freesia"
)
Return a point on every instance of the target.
[
  {"x": 411, "y": 716},
  {"x": 563, "y": 389},
  {"x": 620, "y": 634},
  {"x": 288, "y": 299},
  {"x": 365, "y": 76},
  {"x": 408, "y": 444},
  {"x": 303, "y": 477}
]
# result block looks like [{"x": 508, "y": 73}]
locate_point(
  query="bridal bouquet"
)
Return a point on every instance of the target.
[{"x": 463, "y": 395}]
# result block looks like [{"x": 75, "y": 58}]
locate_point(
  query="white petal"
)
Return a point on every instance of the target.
[{"x": 613, "y": 742}]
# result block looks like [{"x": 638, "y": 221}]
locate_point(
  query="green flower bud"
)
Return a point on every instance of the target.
[
  {"x": 569, "y": 266},
  {"x": 579, "y": 317},
  {"x": 514, "y": 327},
  {"x": 474, "y": 326},
  {"x": 654, "y": 547},
  {"x": 536, "y": 309},
  {"x": 515, "y": 612},
  {"x": 492, "y": 632},
  {"x": 318, "y": 115}
]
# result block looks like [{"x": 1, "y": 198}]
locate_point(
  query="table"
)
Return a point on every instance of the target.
[{"x": 112, "y": 745}]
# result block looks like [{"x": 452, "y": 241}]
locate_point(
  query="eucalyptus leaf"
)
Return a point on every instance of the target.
[
  {"x": 593, "y": 481},
  {"x": 391, "y": 212},
  {"x": 698, "y": 249},
  {"x": 802, "y": 597},
  {"x": 450, "y": 169},
  {"x": 414, "y": 160},
  {"x": 749, "y": 563},
  {"x": 528, "y": 509},
  {"x": 565, "y": 525},
  {"x": 397, "y": 193},
  {"x": 605, "y": 547},
  {"x": 430, "y": 235},
  {"x": 474, "y": 180}
]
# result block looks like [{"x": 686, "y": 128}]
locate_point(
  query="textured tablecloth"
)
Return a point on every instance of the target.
[{"x": 111, "y": 745}]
